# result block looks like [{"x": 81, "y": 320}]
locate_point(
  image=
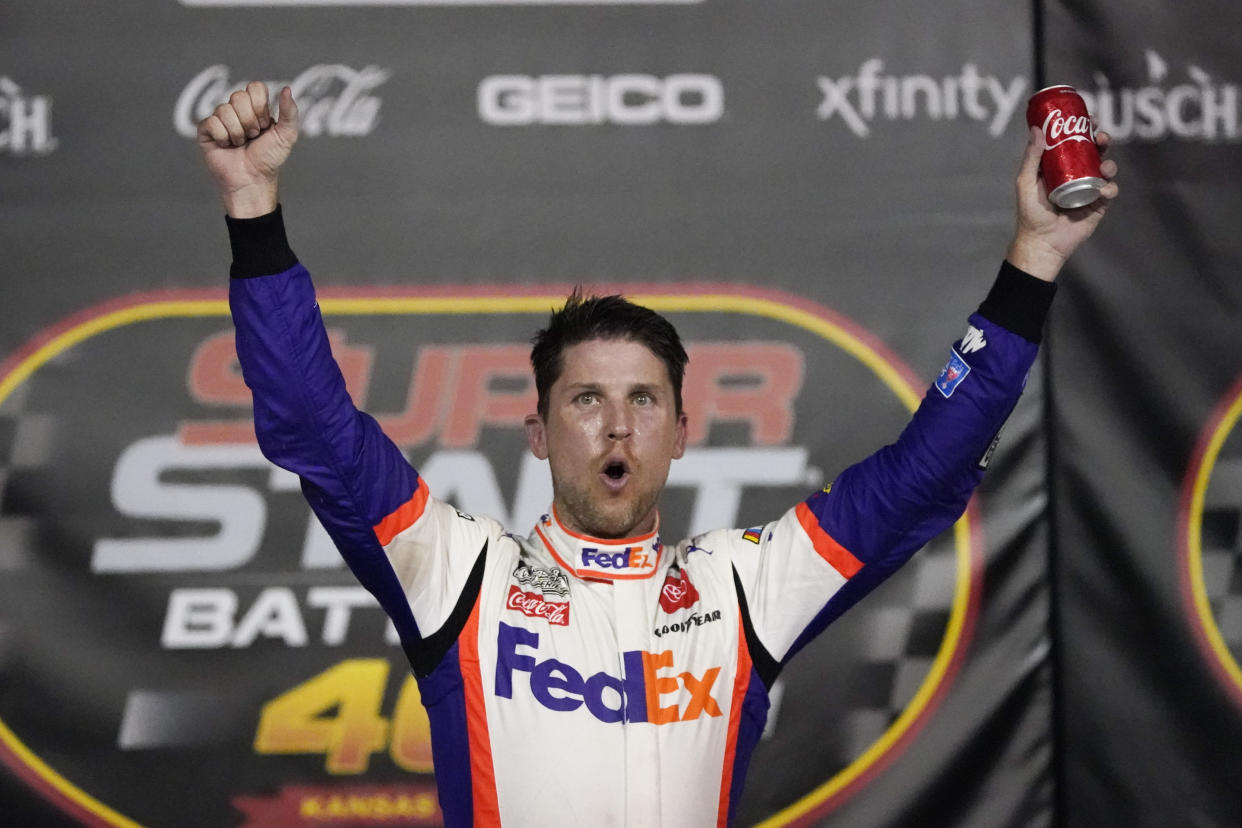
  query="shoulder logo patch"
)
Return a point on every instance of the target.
[
  {"x": 973, "y": 340},
  {"x": 952, "y": 375}
]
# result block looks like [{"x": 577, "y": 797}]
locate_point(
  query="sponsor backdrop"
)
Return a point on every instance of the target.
[
  {"x": 179, "y": 643},
  {"x": 1148, "y": 473}
]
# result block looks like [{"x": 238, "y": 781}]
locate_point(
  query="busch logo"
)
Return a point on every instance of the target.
[
  {"x": 544, "y": 580},
  {"x": 333, "y": 99},
  {"x": 1202, "y": 110},
  {"x": 25, "y": 122},
  {"x": 533, "y": 605},
  {"x": 677, "y": 592},
  {"x": 632, "y": 697},
  {"x": 1060, "y": 129},
  {"x": 860, "y": 99}
]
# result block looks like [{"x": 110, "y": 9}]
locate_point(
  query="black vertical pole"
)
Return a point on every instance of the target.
[{"x": 1060, "y": 816}]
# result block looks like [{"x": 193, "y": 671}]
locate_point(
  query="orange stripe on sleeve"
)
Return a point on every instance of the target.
[
  {"x": 486, "y": 806},
  {"x": 837, "y": 556},
  {"x": 405, "y": 515},
  {"x": 741, "y": 680}
]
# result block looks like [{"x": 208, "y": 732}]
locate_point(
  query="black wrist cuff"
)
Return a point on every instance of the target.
[
  {"x": 1019, "y": 301},
  {"x": 260, "y": 246}
]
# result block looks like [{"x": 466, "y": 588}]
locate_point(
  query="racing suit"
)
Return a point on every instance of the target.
[{"x": 574, "y": 681}]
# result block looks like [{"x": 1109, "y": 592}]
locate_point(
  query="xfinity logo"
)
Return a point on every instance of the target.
[
  {"x": 860, "y": 99},
  {"x": 584, "y": 100}
]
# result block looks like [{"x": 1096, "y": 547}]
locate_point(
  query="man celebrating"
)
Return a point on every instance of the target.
[{"x": 552, "y": 701}]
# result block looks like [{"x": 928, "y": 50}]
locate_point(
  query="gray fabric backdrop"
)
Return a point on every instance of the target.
[{"x": 837, "y": 175}]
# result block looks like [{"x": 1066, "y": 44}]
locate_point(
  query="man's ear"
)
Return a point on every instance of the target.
[
  {"x": 679, "y": 436},
  {"x": 536, "y": 436}
]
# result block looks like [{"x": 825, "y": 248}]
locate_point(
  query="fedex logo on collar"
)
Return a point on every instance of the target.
[
  {"x": 634, "y": 696},
  {"x": 631, "y": 557}
]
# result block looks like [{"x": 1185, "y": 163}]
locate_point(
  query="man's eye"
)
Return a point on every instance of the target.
[
  {"x": 642, "y": 399},
  {"x": 587, "y": 398}
]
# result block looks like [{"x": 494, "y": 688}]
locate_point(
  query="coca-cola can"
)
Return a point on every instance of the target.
[{"x": 1071, "y": 160}]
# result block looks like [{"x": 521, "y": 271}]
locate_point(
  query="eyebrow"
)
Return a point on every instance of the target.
[{"x": 636, "y": 388}]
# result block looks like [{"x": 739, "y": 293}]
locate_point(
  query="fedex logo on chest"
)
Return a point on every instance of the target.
[{"x": 649, "y": 689}]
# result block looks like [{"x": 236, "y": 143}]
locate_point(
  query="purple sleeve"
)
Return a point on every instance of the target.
[
  {"x": 886, "y": 507},
  {"x": 304, "y": 418},
  {"x": 352, "y": 475}
]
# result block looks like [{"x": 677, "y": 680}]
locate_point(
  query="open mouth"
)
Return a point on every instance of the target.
[{"x": 615, "y": 473}]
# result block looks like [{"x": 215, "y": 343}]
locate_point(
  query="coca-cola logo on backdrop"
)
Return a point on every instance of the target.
[
  {"x": 333, "y": 99},
  {"x": 437, "y": 2}
]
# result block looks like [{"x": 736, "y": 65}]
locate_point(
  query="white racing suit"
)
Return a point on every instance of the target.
[{"x": 571, "y": 681}]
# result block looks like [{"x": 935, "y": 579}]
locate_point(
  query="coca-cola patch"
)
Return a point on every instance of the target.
[
  {"x": 533, "y": 605},
  {"x": 677, "y": 592}
]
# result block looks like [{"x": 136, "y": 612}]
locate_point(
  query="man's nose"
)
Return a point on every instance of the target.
[{"x": 619, "y": 426}]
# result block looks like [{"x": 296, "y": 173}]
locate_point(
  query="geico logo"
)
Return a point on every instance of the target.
[
  {"x": 630, "y": 557},
  {"x": 632, "y": 697},
  {"x": 521, "y": 100}
]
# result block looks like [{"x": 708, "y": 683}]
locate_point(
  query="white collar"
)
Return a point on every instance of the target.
[{"x": 625, "y": 559}]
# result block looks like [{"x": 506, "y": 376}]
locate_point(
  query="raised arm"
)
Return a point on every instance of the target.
[
  {"x": 305, "y": 420},
  {"x": 371, "y": 501},
  {"x": 842, "y": 542}
]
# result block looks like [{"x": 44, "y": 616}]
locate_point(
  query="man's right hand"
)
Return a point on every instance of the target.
[{"x": 244, "y": 149}]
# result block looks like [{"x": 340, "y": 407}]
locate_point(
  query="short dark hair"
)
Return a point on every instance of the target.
[{"x": 586, "y": 318}]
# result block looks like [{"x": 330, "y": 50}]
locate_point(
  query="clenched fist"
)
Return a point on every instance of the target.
[{"x": 244, "y": 148}]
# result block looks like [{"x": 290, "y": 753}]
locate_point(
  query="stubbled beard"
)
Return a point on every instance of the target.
[{"x": 616, "y": 520}]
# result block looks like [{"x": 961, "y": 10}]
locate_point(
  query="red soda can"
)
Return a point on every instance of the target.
[{"x": 1071, "y": 160}]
